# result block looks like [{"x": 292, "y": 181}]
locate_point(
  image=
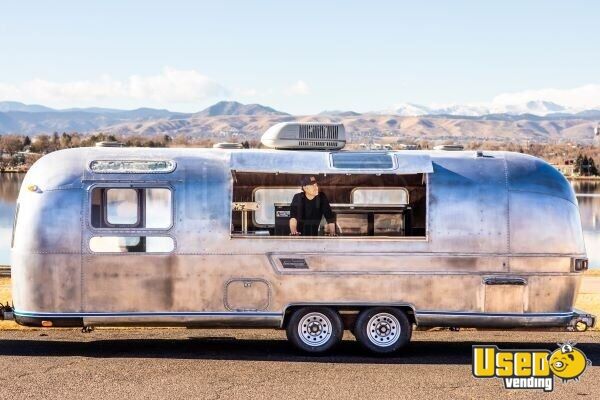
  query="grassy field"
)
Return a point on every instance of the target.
[{"x": 589, "y": 302}]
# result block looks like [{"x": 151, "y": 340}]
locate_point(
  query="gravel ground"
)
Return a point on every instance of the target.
[{"x": 259, "y": 364}]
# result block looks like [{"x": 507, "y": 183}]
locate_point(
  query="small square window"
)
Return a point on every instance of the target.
[
  {"x": 158, "y": 208},
  {"x": 122, "y": 207}
]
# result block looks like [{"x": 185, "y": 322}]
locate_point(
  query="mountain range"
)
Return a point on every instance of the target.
[
  {"x": 535, "y": 120},
  {"x": 538, "y": 107}
]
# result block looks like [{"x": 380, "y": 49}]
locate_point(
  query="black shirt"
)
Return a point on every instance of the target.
[{"x": 308, "y": 213}]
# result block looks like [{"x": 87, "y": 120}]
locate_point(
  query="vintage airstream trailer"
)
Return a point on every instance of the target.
[{"x": 197, "y": 238}]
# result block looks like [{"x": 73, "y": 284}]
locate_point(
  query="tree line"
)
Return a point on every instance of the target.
[{"x": 19, "y": 151}]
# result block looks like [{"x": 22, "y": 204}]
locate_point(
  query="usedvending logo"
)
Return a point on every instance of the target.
[{"x": 530, "y": 369}]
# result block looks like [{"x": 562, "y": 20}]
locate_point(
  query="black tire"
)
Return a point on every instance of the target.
[
  {"x": 322, "y": 326},
  {"x": 385, "y": 335}
]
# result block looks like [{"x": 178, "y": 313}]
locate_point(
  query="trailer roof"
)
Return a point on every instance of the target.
[{"x": 67, "y": 168}]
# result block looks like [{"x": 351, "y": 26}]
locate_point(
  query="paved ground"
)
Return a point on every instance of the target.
[{"x": 215, "y": 364}]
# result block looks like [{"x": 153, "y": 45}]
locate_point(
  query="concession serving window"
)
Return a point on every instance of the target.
[{"x": 365, "y": 204}]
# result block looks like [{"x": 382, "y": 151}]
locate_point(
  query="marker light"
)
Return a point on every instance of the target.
[{"x": 33, "y": 188}]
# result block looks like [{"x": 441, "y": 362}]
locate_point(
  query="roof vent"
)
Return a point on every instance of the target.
[
  {"x": 228, "y": 146},
  {"x": 305, "y": 135},
  {"x": 450, "y": 147},
  {"x": 109, "y": 143}
]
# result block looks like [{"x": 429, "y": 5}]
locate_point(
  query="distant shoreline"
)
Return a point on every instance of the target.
[{"x": 583, "y": 178}]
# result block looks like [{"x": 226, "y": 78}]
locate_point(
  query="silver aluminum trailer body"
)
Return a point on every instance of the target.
[{"x": 503, "y": 239}]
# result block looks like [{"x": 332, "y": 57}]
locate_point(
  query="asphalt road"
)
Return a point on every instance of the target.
[{"x": 218, "y": 364}]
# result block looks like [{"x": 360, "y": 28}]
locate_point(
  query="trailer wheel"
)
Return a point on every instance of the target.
[
  {"x": 315, "y": 329},
  {"x": 383, "y": 330}
]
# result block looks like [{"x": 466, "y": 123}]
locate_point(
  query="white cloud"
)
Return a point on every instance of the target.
[
  {"x": 582, "y": 97},
  {"x": 299, "y": 88},
  {"x": 170, "y": 86}
]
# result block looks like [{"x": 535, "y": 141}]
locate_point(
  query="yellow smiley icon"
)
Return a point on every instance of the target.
[{"x": 568, "y": 362}]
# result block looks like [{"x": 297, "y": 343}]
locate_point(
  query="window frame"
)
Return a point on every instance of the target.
[
  {"x": 140, "y": 208},
  {"x": 128, "y": 228},
  {"x": 382, "y": 188},
  {"x": 129, "y": 234},
  {"x": 298, "y": 188},
  {"x": 425, "y": 238}
]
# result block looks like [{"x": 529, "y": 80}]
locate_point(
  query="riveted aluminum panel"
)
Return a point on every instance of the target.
[
  {"x": 530, "y": 174},
  {"x": 46, "y": 282},
  {"x": 57, "y": 170},
  {"x": 49, "y": 221},
  {"x": 310, "y": 162},
  {"x": 378, "y": 263},
  {"x": 544, "y": 224},
  {"x": 468, "y": 205}
]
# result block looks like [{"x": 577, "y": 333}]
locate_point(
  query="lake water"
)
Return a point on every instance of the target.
[{"x": 588, "y": 195}]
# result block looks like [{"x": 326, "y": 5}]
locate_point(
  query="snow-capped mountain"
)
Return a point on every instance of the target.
[
  {"x": 409, "y": 110},
  {"x": 536, "y": 107}
]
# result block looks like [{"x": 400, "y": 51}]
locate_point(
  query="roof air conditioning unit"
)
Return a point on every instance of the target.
[{"x": 305, "y": 136}]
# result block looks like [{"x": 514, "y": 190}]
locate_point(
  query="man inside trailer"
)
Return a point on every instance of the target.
[{"x": 308, "y": 208}]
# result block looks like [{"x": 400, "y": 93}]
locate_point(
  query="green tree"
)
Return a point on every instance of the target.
[
  {"x": 578, "y": 163},
  {"x": 593, "y": 168}
]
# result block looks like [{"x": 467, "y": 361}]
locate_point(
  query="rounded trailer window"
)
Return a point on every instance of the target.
[
  {"x": 158, "y": 208},
  {"x": 122, "y": 206}
]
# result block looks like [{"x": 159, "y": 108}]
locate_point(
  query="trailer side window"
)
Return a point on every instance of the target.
[
  {"x": 267, "y": 198},
  {"x": 131, "y": 244},
  {"x": 389, "y": 195},
  {"x": 122, "y": 207},
  {"x": 158, "y": 208},
  {"x": 148, "y": 208}
]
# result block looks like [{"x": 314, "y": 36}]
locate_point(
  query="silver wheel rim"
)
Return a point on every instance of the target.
[
  {"x": 314, "y": 329},
  {"x": 383, "y": 329}
]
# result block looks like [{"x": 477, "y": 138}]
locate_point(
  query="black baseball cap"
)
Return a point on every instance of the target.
[{"x": 307, "y": 180}]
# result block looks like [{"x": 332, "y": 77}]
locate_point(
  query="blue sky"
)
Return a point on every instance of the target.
[{"x": 301, "y": 57}]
